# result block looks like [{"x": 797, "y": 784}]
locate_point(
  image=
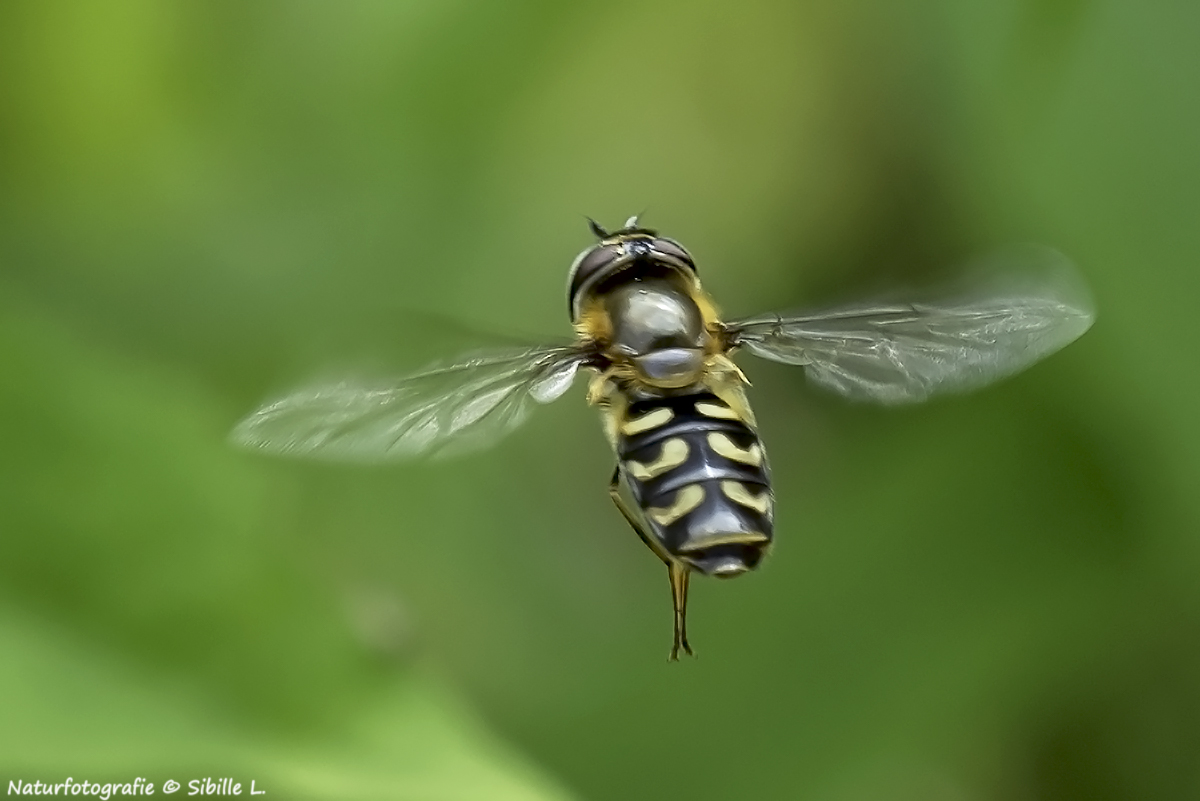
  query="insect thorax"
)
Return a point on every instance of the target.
[{"x": 654, "y": 324}]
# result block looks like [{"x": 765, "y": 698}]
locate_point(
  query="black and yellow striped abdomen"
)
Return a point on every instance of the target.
[{"x": 700, "y": 476}]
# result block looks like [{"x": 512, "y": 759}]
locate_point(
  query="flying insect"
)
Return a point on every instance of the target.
[{"x": 672, "y": 401}]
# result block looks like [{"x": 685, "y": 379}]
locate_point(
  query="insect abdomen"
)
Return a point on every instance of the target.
[{"x": 700, "y": 476}]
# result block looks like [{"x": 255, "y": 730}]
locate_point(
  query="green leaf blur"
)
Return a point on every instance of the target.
[{"x": 984, "y": 598}]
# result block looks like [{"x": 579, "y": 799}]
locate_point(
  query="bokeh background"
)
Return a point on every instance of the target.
[{"x": 984, "y": 598}]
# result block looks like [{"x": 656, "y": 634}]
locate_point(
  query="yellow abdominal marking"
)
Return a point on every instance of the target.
[
  {"x": 726, "y": 381},
  {"x": 726, "y": 447},
  {"x": 647, "y": 421},
  {"x": 716, "y": 410},
  {"x": 730, "y": 538},
  {"x": 674, "y": 453},
  {"x": 686, "y": 500},
  {"x": 736, "y": 491}
]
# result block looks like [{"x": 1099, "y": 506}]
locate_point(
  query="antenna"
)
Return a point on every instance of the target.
[{"x": 597, "y": 229}]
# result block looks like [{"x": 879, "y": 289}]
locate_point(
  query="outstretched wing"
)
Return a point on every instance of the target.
[
  {"x": 905, "y": 352},
  {"x": 466, "y": 405}
]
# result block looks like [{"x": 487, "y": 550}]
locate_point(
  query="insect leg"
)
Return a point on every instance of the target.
[
  {"x": 679, "y": 574},
  {"x": 676, "y": 572}
]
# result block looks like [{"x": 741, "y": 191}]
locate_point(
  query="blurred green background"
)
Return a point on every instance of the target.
[{"x": 203, "y": 204}]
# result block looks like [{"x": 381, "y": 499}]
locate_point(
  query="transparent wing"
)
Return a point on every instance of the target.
[
  {"x": 466, "y": 405},
  {"x": 904, "y": 352}
]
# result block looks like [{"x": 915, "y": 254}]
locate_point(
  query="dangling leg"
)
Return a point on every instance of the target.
[
  {"x": 676, "y": 572},
  {"x": 679, "y": 586}
]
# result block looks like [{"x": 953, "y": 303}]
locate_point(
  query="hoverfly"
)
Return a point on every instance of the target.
[{"x": 671, "y": 399}]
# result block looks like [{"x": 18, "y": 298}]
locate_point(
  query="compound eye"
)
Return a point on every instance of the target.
[
  {"x": 674, "y": 250},
  {"x": 594, "y": 260}
]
